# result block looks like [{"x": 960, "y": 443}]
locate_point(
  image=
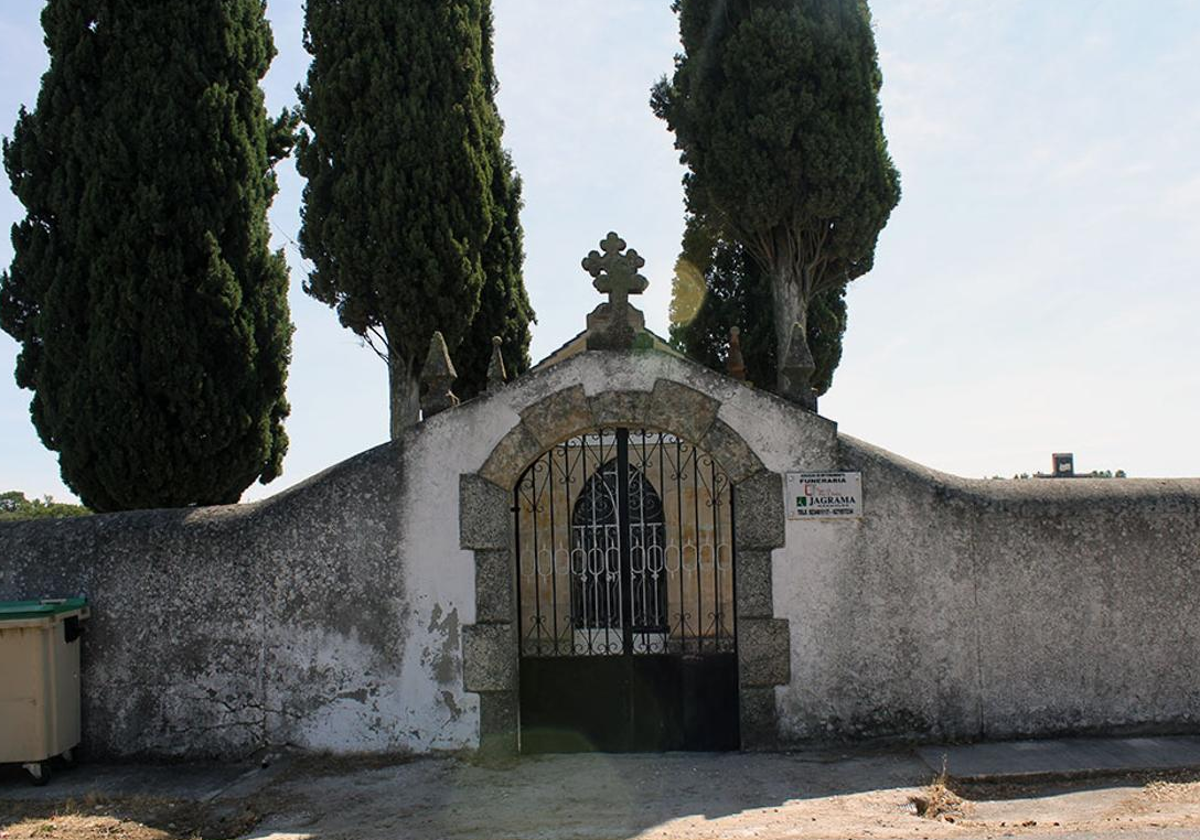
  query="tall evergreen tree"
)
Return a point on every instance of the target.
[
  {"x": 152, "y": 315},
  {"x": 718, "y": 286},
  {"x": 403, "y": 196},
  {"x": 775, "y": 109},
  {"x": 504, "y": 308}
]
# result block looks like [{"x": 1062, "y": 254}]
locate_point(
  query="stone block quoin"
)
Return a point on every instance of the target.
[
  {"x": 483, "y": 510},
  {"x": 488, "y": 663}
]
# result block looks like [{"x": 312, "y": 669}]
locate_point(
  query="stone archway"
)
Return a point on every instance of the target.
[{"x": 490, "y": 646}]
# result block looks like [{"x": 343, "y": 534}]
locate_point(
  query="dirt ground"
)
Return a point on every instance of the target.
[{"x": 671, "y": 797}]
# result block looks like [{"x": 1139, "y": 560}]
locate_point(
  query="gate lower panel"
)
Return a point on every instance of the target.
[{"x": 629, "y": 704}]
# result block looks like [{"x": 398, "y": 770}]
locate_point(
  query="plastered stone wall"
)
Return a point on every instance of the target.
[
  {"x": 371, "y": 608},
  {"x": 216, "y": 632},
  {"x": 961, "y": 609}
]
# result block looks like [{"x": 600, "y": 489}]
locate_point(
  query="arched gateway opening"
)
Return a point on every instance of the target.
[{"x": 626, "y": 596}]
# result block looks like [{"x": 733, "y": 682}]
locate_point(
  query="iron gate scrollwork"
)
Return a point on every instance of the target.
[
  {"x": 595, "y": 563},
  {"x": 626, "y": 591}
]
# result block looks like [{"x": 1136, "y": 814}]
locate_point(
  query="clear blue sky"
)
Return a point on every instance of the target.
[{"x": 1036, "y": 291}]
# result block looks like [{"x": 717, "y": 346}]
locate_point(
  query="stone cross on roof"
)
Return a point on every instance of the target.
[{"x": 616, "y": 274}]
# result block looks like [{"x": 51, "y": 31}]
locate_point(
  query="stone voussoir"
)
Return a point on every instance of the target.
[
  {"x": 515, "y": 451},
  {"x": 681, "y": 410},
  {"x": 736, "y": 458},
  {"x": 559, "y": 416},
  {"x": 620, "y": 408}
]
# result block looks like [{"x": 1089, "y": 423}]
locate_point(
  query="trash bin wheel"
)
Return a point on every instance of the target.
[
  {"x": 39, "y": 771},
  {"x": 68, "y": 758}
]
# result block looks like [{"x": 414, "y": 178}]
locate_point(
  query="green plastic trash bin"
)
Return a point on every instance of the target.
[{"x": 39, "y": 682}]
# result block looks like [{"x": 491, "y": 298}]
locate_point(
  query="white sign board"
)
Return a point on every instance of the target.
[{"x": 824, "y": 495}]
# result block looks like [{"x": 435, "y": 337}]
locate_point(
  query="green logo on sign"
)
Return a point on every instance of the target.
[{"x": 802, "y": 501}]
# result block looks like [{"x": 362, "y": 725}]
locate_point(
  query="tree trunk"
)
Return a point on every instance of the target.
[
  {"x": 404, "y": 388},
  {"x": 791, "y": 307}
]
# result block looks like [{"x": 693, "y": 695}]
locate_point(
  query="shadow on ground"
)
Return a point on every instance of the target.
[
  {"x": 578, "y": 796},
  {"x": 582, "y": 797}
]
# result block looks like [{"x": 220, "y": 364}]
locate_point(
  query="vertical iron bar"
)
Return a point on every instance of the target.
[
  {"x": 733, "y": 565},
  {"x": 648, "y": 582},
  {"x": 665, "y": 607},
  {"x": 623, "y": 538},
  {"x": 516, "y": 509},
  {"x": 643, "y": 584},
  {"x": 679, "y": 523},
  {"x": 569, "y": 513},
  {"x": 714, "y": 506},
  {"x": 662, "y": 593},
  {"x": 594, "y": 595},
  {"x": 603, "y": 586},
  {"x": 537, "y": 570},
  {"x": 699, "y": 553},
  {"x": 554, "y": 554}
]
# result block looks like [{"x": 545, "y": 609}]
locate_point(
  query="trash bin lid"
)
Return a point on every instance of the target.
[{"x": 24, "y": 610}]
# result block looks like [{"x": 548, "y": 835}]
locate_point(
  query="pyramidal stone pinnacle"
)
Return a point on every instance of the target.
[
  {"x": 437, "y": 378},
  {"x": 797, "y": 369},
  {"x": 735, "y": 363},
  {"x": 496, "y": 375}
]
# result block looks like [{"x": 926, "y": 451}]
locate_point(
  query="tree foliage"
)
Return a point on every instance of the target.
[
  {"x": 410, "y": 201},
  {"x": 718, "y": 286},
  {"x": 151, "y": 314},
  {"x": 504, "y": 308},
  {"x": 775, "y": 108},
  {"x": 14, "y": 507}
]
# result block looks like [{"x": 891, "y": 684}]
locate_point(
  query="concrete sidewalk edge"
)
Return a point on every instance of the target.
[{"x": 1034, "y": 761}]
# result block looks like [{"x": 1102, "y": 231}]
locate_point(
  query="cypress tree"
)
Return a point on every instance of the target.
[
  {"x": 504, "y": 308},
  {"x": 775, "y": 109},
  {"x": 718, "y": 286},
  {"x": 152, "y": 316},
  {"x": 400, "y": 154}
]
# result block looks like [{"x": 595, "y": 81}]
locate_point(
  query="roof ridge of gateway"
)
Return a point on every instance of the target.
[{"x": 557, "y": 355}]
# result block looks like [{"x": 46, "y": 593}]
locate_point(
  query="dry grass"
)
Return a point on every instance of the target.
[
  {"x": 939, "y": 801},
  {"x": 1178, "y": 788},
  {"x": 138, "y": 818}
]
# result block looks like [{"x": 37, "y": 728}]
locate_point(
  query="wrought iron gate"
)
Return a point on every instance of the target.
[{"x": 626, "y": 595}]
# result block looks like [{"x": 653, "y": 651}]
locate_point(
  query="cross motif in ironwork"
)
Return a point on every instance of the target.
[{"x": 616, "y": 274}]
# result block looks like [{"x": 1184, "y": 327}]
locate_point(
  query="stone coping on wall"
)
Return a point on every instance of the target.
[
  {"x": 491, "y": 648},
  {"x": 1004, "y": 494}
]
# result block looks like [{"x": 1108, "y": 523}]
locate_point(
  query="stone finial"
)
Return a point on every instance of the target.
[
  {"x": 797, "y": 370},
  {"x": 615, "y": 325},
  {"x": 735, "y": 364},
  {"x": 496, "y": 375},
  {"x": 437, "y": 378}
]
